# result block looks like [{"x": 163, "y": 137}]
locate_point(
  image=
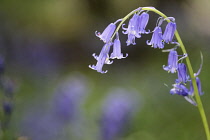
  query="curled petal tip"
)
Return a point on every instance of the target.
[{"x": 97, "y": 33}]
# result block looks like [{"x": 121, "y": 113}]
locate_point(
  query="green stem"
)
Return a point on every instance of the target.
[
  {"x": 197, "y": 96},
  {"x": 123, "y": 20}
]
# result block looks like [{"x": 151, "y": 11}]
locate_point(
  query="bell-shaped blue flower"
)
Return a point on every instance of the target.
[
  {"x": 183, "y": 77},
  {"x": 157, "y": 40},
  {"x": 169, "y": 32},
  {"x": 107, "y": 33},
  {"x": 102, "y": 59},
  {"x": 132, "y": 30},
  {"x": 172, "y": 62},
  {"x": 117, "y": 49},
  {"x": 198, "y": 82},
  {"x": 143, "y": 21},
  {"x": 180, "y": 90}
]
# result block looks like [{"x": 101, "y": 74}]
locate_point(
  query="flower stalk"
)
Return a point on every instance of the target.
[
  {"x": 158, "y": 40},
  {"x": 197, "y": 97}
]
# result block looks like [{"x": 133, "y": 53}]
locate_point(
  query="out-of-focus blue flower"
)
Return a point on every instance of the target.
[
  {"x": 183, "y": 77},
  {"x": 68, "y": 97},
  {"x": 179, "y": 89},
  {"x": 107, "y": 33},
  {"x": 143, "y": 20},
  {"x": 157, "y": 40},
  {"x": 102, "y": 59},
  {"x": 117, "y": 111},
  {"x": 41, "y": 123},
  {"x": 172, "y": 62},
  {"x": 117, "y": 49},
  {"x": 7, "y": 107},
  {"x": 132, "y": 30},
  {"x": 169, "y": 32},
  {"x": 198, "y": 82}
]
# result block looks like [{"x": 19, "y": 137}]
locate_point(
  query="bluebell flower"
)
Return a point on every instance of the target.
[
  {"x": 117, "y": 49},
  {"x": 7, "y": 107},
  {"x": 116, "y": 114},
  {"x": 172, "y": 62},
  {"x": 102, "y": 59},
  {"x": 183, "y": 77},
  {"x": 143, "y": 20},
  {"x": 179, "y": 89},
  {"x": 132, "y": 30},
  {"x": 169, "y": 32},
  {"x": 198, "y": 82},
  {"x": 157, "y": 40},
  {"x": 107, "y": 33}
]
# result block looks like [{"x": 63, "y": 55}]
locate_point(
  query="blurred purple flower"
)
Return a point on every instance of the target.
[
  {"x": 68, "y": 97},
  {"x": 117, "y": 111},
  {"x": 65, "y": 110}
]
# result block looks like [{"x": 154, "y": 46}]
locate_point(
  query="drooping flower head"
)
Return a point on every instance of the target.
[
  {"x": 107, "y": 33},
  {"x": 142, "y": 21},
  {"x": 132, "y": 30},
  {"x": 157, "y": 40},
  {"x": 117, "y": 49},
  {"x": 169, "y": 32},
  {"x": 102, "y": 59},
  {"x": 172, "y": 62},
  {"x": 183, "y": 77}
]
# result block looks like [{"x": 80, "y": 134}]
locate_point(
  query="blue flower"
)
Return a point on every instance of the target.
[
  {"x": 143, "y": 20},
  {"x": 169, "y": 32},
  {"x": 102, "y": 59},
  {"x": 198, "y": 82},
  {"x": 117, "y": 111},
  {"x": 117, "y": 49},
  {"x": 107, "y": 33},
  {"x": 172, "y": 62},
  {"x": 179, "y": 89},
  {"x": 132, "y": 30},
  {"x": 182, "y": 73},
  {"x": 157, "y": 40}
]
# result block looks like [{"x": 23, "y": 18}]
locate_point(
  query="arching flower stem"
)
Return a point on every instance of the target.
[{"x": 191, "y": 73}]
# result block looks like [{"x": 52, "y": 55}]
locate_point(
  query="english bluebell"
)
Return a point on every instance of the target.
[
  {"x": 102, "y": 59},
  {"x": 143, "y": 21},
  {"x": 183, "y": 77},
  {"x": 107, "y": 33},
  {"x": 179, "y": 89},
  {"x": 169, "y": 32},
  {"x": 117, "y": 49},
  {"x": 172, "y": 62},
  {"x": 157, "y": 40},
  {"x": 132, "y": 30}
]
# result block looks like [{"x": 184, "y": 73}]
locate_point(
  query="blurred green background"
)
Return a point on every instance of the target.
[{"x": 47, "y": 43}]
